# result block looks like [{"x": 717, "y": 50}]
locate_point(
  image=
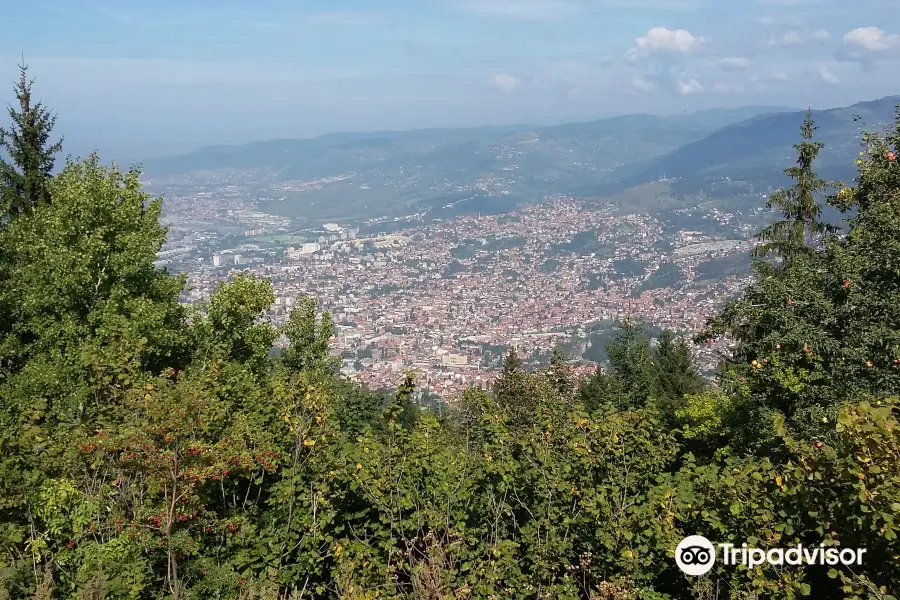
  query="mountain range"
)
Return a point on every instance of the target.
[
  {"x": 336, "y": 153},
  {"x": 763, "y": 143},
  {"x": 494, "y": 168}
]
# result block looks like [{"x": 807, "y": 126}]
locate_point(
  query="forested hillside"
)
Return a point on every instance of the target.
[{"x": 148, "y": 451}]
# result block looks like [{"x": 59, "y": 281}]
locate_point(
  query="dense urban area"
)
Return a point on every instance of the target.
[{"x": 446, "y": 298}]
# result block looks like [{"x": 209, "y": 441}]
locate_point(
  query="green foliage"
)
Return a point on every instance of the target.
[
  {"x": 704, "y": 416},
  {"x": 147, "y": 454},
  {"x": 308, "y": 339},
  {"x": 631, "y": 360},
  {"x": 600, "y": 391},
  {"x": 559, "y": 374},
  {"x": 24, "y": 182},
  {"x": 630, "y": 267},
  {"x": 233, "y": 328},
  {"x": 676, "y": 375},
  {"x": 725, "y": 266},
  {"x": 819, "y": 329},
  {"x": 801, "y": 227},
  {"x": 550, "y": 266},
  {"x": 668, "y": 274},
  {"x": 510, "y": 383},
  {"x": 358, "y": 408}
]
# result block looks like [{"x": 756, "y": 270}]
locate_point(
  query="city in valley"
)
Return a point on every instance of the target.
[
  {"x": 447, "y": 298},
  {"x": 437, "y": 250}
]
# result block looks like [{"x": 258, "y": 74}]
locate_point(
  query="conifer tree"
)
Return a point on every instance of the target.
[
  {"x": 676, "y": 374},
  {"x": 601, "y": 389},
  {"x": 402, "y": 410},
  {"x": 558, "y": 373},
  {"x": 801, "y": 229},
  {"x": 24, "y": 182},
  {"x": 511, "y": 388},
  {"x": 629, "y": 356},
  {"x": 511, "y": 378}
]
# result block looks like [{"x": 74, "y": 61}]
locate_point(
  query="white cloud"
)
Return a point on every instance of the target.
[
  {"x": 661, "y": 39},
  {"x": 795, "y": 38},
  {"x": 526, "y": 10},
  {"x": 506, "y": 82},
  {"x": 872, "y": 38},
  {"x": 737, "y": 63},
  {"x": 827, "y": 76},
  {"x": 643, "y": 85},
  {"x": 692, "y": 86}
]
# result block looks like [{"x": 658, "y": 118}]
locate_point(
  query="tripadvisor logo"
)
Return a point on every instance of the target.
[{"x": 696, "y": 555}]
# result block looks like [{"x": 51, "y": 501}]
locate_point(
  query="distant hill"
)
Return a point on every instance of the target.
[
  {"x": 715, "y": 118},
  {"x": 447, "y": 172},
  {"x": 764, "y": 143},
  {"x": 619, "y": 139}
]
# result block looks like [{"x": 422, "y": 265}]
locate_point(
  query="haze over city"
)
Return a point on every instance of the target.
[{"x": 143, "y": 79}]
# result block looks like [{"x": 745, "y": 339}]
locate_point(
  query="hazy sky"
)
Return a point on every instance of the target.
[{"x": 147, "y": 77}]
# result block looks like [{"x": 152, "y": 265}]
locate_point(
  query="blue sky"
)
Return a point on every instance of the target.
[{"x": 148, "y": 77}]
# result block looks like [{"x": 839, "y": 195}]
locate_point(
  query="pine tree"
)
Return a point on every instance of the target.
[
  {"x": 510, "y": 382},
  {"x": 602, "y": 389},
  {"x": 559, "y": 374},
  {"x": 402, "y": 410},
  {"x": 512, "y": 389},
  {"x": 24, "y": 182},
  {"x": 800, "y": 230},
  {"x": 676, "y": 374},
  {"x": 629, "y": 356}
]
